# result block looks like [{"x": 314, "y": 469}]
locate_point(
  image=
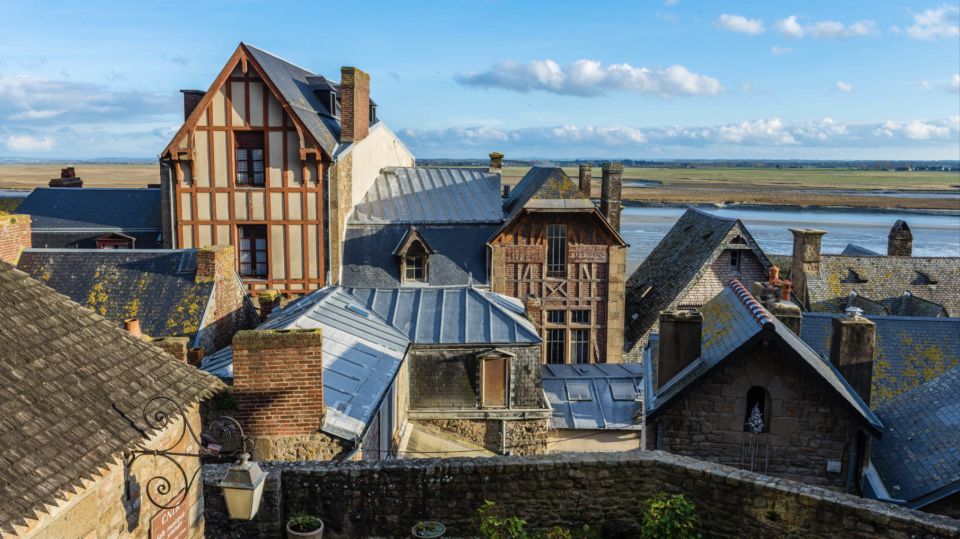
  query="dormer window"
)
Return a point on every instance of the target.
[{"x": 413, "y": 253}]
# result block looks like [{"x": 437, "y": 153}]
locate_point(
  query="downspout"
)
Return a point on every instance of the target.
[
  {"x": 326, "y": 204},
  {"x": 171, "y": 211},
  {"x": 503, "y": 437}
]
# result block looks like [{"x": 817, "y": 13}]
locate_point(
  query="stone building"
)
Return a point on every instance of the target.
[
  {"x": 192, "y": 293},
  {"x": 733, "y": 384},
  {"x": 74, "y": 393},
  {"x": 271, "y": 159},
  {"x": 689, "y": 266}
]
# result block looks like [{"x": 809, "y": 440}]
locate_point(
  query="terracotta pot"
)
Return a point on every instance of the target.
[
  {"x": 315, "y": 534},
  {"x": 437, "y": 530}
]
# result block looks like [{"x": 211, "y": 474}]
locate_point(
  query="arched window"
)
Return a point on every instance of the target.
[{"x": 757, "y": 419}]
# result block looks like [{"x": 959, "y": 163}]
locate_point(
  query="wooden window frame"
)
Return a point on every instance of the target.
[
  {"x": 550, "y": 345},
  {"x": 248, "y": 142},
  {"x": 405, "y": 265},
  {"x": 255, "y": 260},
  {"x": 557, "y": 251},
  {"x": 575, "y": 343}
]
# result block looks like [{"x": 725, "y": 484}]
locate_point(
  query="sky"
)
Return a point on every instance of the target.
[{"x": 646, "y": 79}]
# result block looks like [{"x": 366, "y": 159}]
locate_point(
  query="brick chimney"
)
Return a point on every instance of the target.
[
  {"x": 851, "y": 350},
  {"x": 269, "y": 300},
  {"x": 68, "y": 178},
  {"x": 354, "y": 104},
  {"x": 14, "y": 237},
  {"x": 132, "y": 325},
  {"x": 175, "y": 346},
  {"x": 496, "y": 163},
  {"x": 214, "y": 263},
  {"x": 195, "y": 356},
  {"x": 534, "y": 310},
  {"x": 680, "y": 333},
  {"x": 806, "y": 259},
  {"x": 900, "y": 240},
  {"x": 191, "y": 98},
  {"x": 278, "y": 381},
  {"x": 610, "y": 191},
  {"x": 774, "y": 295},
  {"x": 586, "y": 176}
]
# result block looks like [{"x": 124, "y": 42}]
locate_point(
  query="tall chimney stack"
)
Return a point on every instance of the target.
[
  {"x": 586, "y": 176},
  {"x": 900, "y": 240},
  {"x": 354, "y": 104},
  {"x": 496, "y": 163},
  {"x": 851, "y": 350},
  {"x": 806, "y": 259},
  {"x": 680, "y": 333},
  {"x": 191, "y": 98},
  {"x": 610, "y": 191},
  {"x": 215, "y": 264}
]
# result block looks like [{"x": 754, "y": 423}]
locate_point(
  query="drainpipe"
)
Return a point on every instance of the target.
[
  {"x": 503, "y": 437},
  {"x": 171, "y": 211},
  {"x": 326, "y": 204}
]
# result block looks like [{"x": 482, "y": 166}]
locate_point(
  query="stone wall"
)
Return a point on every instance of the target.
[
  {"x": 809, "y": 423},
  {"x": 715, "y": 279},
  {"x": 14, "y": 236},
  {"x": 523, "y": 436},
  {"x": 606, "y": 491}
]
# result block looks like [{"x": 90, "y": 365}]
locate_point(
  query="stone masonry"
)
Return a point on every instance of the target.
[{"x": 14, "y": 236}]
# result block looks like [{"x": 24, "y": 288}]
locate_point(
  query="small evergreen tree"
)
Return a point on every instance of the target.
[{"x": 755, "y": 422}]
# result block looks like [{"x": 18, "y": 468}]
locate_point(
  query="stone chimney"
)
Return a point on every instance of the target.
[
  {"x": 774, "y": 295},
  {"x": 534, "y": 309},
  {"x": 191, "y": 98},
  {"x": 851, "y": 350},
  {"x": 354, "y": 104},
  {"x": 900, "y": 240},
  {"x": 610, "y": 191},
  {"x": 680, "y": 333},
  {"x": 496, "y": 163},
  {"x": 269, "y": 300},
  {"x": 132, "y": 325},
  {"x": 278, "y": 381},
  {"x": 586, "y": 177},
  {"x": 214, "y": 263},
  {"x": 14, "y": 237},
  {"x": 175, "y": 346},
  {"x": 806, "y": 259}
]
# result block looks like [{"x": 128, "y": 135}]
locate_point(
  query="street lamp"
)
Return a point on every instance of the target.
[{"x": 242, "y": 488}]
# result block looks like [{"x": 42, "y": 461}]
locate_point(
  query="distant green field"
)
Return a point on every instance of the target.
[{"x": 772, "y": 177}]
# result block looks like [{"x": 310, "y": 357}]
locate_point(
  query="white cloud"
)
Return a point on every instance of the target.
[
  {"x": 591, "y": 78},
  {"x": 943, "y": 21},
  {"x": 738, "y": 23},
  {"x": 951, "y": 85},
  {"x": 26, "y": 143},
  {"x": 954, "y": 83},
  {"x": 777, "y": 50},
  {"x": 844, "y": 86},
  {"x": 792, "y": 27}
]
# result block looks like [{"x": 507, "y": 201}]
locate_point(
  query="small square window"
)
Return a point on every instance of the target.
[
  {"x": 556, "y": 317},
  {"x": 578, "y": 391},
  {"x": 580, "y": 316}
]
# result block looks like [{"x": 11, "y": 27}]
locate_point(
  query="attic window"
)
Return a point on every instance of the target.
[
  {"x": 578, "y": 391},
  {"x": 922, "y": 279},
  {"x": 414, "y": 255},
  {"x": 738, "y": 241},
  {"x": 623, "y": 391},
  {"x": 853, "y": 276}
]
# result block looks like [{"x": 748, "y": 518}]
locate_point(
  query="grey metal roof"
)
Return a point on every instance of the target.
[
  {"x": 459, "y": 254},
  {"x": 361, "y": 356},
  {"x": 451, "y": 315},
  {"x": 53, "y": 209},
  {"x": 293, "y": 83},
  {"x": 734, "y": 319},
  {"x": 908, "y": 352},
  {"x": 421, "y": 195},
  {"x": 597, "y": 396},
  {"x": 918, "y": 456}
]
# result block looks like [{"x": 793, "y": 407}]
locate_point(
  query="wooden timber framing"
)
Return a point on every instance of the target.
[
  {"x": 209, "y": 205},
  {"x": 595, "y": 273}
]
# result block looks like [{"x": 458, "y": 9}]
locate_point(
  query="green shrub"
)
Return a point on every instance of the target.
[
  {"x": 670, "y": 517},
  {"x": 303, "y": 523},
  {"x": 493, "y": 524}
]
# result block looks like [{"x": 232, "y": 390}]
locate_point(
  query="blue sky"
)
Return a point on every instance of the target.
[{"x": 650, "y": 79}]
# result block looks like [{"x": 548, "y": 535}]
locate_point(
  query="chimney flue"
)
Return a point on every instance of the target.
[
  {"x": 132, "y": 325},
  {"x": 680, "y": 333},
  {"x": 610, "y": 191},
  {"x": 900, "y": 240},
  {"x": 586, "y": 177},
  {"x": 191, "y": 98},
  {"x": 354, "y": 104},
  {"x": 806, "y": 259},
  {"x": 195, "y": 356},
  {"x": 851, "y": 350},
  {"x": 269, "y": 301},
  {"x": 496, "y": 163}
]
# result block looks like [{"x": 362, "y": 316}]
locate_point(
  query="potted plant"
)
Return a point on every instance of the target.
[
  {"x": 428, "y": 528},
  {"x": 304, "y": 526}
]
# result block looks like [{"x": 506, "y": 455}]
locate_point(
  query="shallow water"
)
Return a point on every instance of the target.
[{"x": 933, "y": 235}]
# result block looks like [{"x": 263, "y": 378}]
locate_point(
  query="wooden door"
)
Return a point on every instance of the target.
[{"x": 495, "y": 376}]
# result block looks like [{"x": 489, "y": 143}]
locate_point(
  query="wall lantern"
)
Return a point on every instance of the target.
[{"x": 242, "y": 486}]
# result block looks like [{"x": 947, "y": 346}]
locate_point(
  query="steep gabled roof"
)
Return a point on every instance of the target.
[
  {"x": 918, "y": 456},
  {"x": 72, "y": 393},
  {"x": 908, "y": 351},
  {"x": 159, "y": 287},
  {"x": 732, "y": 321},
  {"x": 53, "y": 209},
  {"x": 675, "y": 264}
]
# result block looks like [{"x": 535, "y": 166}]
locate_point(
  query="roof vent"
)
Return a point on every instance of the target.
[{"x": 853, "y": 312}]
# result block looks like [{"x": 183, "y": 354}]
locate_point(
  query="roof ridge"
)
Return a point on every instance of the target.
[
  {"x": 282, "y": 59},
  {"x": 760, "y": 315},
  {"x": 712, "y": 216}
]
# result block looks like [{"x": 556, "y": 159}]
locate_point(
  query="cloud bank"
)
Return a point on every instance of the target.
[{"x": 943, "y": 21}]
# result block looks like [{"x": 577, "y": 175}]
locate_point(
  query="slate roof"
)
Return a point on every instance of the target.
[
  {"x": 87, "y": 209},
  {"x": 451, "y": 315},
  {"x": 74, "y": 386},
  {"x": 422, "y": 195},
  {"x": 856, "y": 250},
  {"x": 598, "y": 396},
  {"x": 675, "y": 264},
  {"x": 918, "y": 456},
  {"x": 908, "y": 352},
  {"x": 733, "y": 320},
  {"x": 361, "y": 356},
  {"x": 547, "y": 188},
  {"x": 293, "y": 84},
  {"x": 156, "y": 286},
  {"x": 459, "y": 256}
]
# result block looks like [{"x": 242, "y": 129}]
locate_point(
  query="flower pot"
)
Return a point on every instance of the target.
[
  {"x": 315, "y": 534},
  {"x": 427, "y": 529}
]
